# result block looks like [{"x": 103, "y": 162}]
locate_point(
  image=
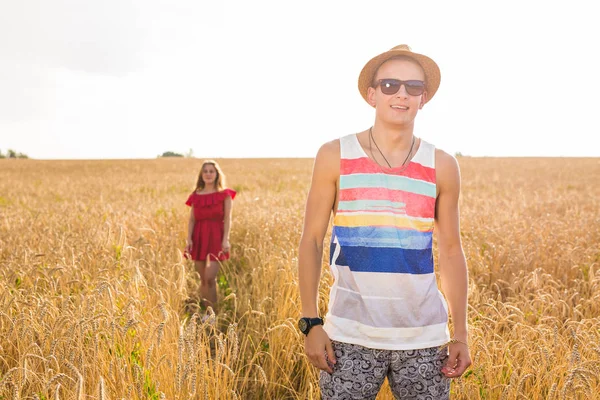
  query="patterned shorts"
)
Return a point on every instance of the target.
[{"x": 360, "y": 372}]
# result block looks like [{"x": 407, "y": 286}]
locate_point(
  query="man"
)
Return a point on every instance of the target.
[{"x": 387, "y": 191}]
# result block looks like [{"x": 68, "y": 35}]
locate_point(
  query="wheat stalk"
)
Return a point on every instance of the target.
[{"x": 101, "y": 389}]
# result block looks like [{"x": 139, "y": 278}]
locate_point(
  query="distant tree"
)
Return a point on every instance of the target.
[
  {"x": 12, "y": 154},
  {"x": 171, "y": 154},
  {"x": 190, "y": 153},
  {"x": 458, "y": 154}
]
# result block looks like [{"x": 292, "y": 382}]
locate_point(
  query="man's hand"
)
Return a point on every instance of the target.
[
  {"x": 316, "y": 345},
  {"x": 458, "y": 360}
]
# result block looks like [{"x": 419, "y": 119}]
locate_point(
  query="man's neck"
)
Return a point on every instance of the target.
[{"x": 393, "y": 138}]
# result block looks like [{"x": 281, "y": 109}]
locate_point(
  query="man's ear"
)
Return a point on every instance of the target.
[
  {"x": 371, "y": 96},
  {"x": 423, "y": 100}
]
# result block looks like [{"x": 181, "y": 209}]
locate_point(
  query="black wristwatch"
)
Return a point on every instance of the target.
[{"x": 305, "y": 324}]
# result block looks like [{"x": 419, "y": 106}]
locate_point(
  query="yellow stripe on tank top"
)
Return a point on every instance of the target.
[{"x": 384, "y": 220}]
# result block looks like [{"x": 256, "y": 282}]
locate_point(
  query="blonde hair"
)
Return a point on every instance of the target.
[{"x": 219, "y": 180}]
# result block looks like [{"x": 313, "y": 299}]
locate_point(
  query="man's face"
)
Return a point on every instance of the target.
[{"x": 400, "y": 108}]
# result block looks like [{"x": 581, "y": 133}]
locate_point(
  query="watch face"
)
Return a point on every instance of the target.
[{"x": 302, "y": 325}]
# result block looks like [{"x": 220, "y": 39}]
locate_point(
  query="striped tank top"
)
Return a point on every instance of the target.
[{"x": 385, "y": 293}]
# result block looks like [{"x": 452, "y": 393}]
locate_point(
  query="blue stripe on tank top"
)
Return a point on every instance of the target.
[
  {"x": 383, "y": 259},
  {"x": 383, "y": 236},
  {"x": 393, "y": 182}
]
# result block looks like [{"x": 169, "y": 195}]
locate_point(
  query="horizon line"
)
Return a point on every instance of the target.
[{"x": 265, "y": 158}]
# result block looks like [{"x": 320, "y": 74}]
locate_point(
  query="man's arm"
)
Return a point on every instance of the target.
[
  {"x": 453, "y": 266},
  {"x": 319, "y": 205}
]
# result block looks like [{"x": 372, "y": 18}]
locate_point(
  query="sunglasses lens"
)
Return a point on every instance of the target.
[
  {"x": 389, "y": 86},
  {"x": 415, "y": 88}
]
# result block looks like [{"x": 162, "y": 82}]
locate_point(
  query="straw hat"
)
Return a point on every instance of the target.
[{"x": 431, "y": 69}]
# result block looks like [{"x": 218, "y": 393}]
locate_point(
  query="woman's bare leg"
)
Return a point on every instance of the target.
[
  {"x": 201, "y": 268},
  {"x": 208, "y": 284}
]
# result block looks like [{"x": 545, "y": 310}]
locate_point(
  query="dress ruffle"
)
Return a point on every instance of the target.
[{"x": 210, "y": 199}]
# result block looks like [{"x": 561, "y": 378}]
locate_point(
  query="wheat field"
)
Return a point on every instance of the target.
[{"x": 93, "y": 284}]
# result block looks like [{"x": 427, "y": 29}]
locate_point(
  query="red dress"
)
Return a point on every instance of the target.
[{"x": 209, "y": 212}]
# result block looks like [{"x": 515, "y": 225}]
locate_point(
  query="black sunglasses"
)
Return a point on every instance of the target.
[{"x": 391, "y": 86}]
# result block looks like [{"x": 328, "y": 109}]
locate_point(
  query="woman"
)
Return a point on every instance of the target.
[{"x": 208, "y": 228}]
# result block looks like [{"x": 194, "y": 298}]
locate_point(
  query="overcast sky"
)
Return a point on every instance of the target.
[{"x": 132, "y": 79}]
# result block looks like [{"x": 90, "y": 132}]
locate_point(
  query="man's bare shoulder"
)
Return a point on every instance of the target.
[
  {"x": 443, "y": 160},
  {"x": 328, "y": 158},
  {"x": 330, "y": 149},
  {"x": 446, "y": 169}
]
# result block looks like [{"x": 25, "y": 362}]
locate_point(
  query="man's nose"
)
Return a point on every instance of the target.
[{"x": 402, "y": 91}]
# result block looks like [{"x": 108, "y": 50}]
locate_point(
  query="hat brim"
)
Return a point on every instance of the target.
[{"x": 430, "y": 68}]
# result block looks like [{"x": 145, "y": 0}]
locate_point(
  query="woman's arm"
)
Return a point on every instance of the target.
[
  {"x": 191, "y": 223},
  {"x": 227, "y": 223}
]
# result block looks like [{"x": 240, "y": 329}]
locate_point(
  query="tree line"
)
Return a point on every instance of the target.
[
  {"x": 189, "y": 154},
  {"x": 12, "y": 154}
]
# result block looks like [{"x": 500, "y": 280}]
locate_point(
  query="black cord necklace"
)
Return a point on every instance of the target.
[{"x": 380, "y": 152}]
